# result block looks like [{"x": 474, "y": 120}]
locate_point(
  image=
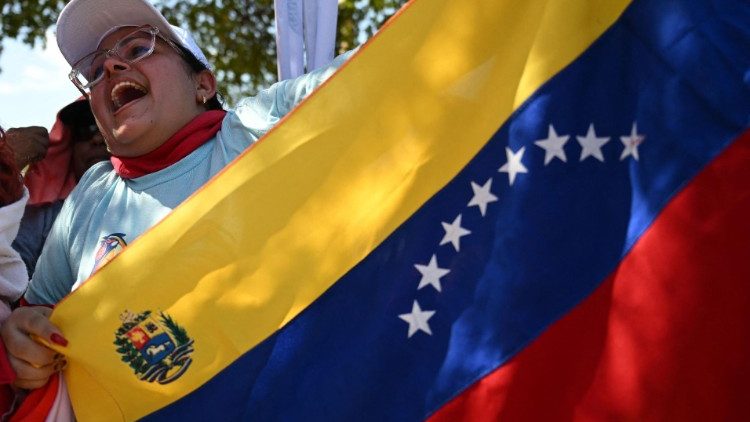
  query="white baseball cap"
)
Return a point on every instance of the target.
[{"x": 84, "y": 23}]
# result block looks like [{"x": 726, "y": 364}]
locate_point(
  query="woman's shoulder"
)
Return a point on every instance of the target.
[
  {"x": 102, "y": 170},
  {"x": 97, "y": 177}
]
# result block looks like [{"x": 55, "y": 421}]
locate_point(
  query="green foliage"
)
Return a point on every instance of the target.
[
  {"x": 130, "y": 355},
  {"x": 27, "y": 20},
  {"x": 124, "y": 347},
  {"x": 237, "y": 36},
  {"x": 179, "y": 333}
]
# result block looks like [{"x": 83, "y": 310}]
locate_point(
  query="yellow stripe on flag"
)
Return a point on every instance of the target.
[{"x": 271, "y": 233}]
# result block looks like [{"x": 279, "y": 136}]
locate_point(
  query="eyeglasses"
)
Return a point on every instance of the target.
[{"x": 131, "y": 48}]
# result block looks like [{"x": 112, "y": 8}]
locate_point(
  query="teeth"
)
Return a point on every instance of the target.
[{"x": 120, "y": 86}]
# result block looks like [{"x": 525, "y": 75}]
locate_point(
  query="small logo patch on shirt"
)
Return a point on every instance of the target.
[
  {"x": 109, "y": 247},
  {"x": 156, "y": 348}
]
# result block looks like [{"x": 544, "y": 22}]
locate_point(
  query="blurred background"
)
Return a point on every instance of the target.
[{"x": 237, "y": 36}]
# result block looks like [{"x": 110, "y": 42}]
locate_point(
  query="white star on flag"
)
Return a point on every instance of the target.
[
  {"x": 631, "y": 143},
  {"x": 592, "y": 146},
  {"x": 514, "y": 164},
  {"x": 431, "y": 273},
  {"x": 454, "y": 232},
  {"x": 417, "y": 319},
  {"x": 482, "y": 196},
  {"x": 553, "y": 146}
]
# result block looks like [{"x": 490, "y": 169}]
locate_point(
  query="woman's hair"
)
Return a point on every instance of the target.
[
  {"x": 214, "y": 103},
  {"x": 11, "y": 185}
]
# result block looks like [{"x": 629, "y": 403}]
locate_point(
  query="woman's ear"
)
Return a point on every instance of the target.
[{"x": 205, "y": 84}]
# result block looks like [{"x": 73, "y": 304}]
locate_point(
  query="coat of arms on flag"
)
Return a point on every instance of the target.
[{"x": 156, "y": 348}]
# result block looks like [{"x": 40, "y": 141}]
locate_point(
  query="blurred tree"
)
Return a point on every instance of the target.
[{"x": 237, "y": 36}]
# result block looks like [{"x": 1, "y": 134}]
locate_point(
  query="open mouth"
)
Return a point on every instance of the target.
[{"x": 126, "y": 92}]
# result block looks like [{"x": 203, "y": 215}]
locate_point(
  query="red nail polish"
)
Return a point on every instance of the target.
[{"x": 58, "y": 339}]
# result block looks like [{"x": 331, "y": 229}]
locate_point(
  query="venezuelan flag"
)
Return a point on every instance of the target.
[{"x": 526, "y": 210}]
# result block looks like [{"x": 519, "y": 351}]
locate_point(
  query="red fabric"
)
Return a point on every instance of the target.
[
  {"x": 52, "y": 178},
  {"x": 665, "y": 338},
  {"x": 7, "y": 376},
  {"x": 182, "y": 143},
  {"x": 38, "y": 403},
  {"x": 7, "y": 395},
  {"x": 23, "y": 302}
]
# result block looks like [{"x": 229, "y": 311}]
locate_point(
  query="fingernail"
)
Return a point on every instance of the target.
[{"x": 58, "y": 339}]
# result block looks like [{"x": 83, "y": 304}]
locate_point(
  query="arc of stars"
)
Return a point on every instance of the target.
[{"x": 554, "y": 147}]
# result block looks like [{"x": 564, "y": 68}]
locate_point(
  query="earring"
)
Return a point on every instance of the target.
[{"x": 204, "y": 99}]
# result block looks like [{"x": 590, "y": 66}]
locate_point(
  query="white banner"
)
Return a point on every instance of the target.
[{"x": 305, "y": 35}]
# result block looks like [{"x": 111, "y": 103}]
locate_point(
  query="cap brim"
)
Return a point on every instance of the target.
[
  {"x": 76, "y": 112},
  {"x": 82, "y": 23}
]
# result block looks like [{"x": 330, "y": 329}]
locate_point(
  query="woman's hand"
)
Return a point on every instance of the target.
[
  {"x": 29, "y": 144},
  {"x": 32, "y": 362},
  {"x": 11, "y": 185}
]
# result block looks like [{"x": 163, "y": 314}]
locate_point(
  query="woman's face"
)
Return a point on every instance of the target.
[{"x": 139, "y": 106}]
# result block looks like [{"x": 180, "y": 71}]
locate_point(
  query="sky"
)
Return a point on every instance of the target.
[{"x": 34, "y": 84}]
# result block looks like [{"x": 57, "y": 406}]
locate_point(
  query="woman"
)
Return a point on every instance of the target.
[
  {"x": 154, "y": 98},
  {"x": 75, "y": 145}
]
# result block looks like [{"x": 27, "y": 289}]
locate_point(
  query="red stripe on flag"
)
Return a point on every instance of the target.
[
  {"x": 665, "y": 337},
  {"x": 36, "y": 407}
]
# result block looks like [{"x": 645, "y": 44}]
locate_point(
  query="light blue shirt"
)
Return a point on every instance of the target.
[{"x": 105, "y": 212}]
